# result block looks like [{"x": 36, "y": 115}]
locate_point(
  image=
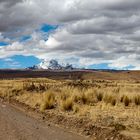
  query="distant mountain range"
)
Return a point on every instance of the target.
[
  {"x": 55, "y": 65},
  {"x": 52, "y": 65}
]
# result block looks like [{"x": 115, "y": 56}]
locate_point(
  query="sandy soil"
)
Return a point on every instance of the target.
[{"x": 16, "y": 125}]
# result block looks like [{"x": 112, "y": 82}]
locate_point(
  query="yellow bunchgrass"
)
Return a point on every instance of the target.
[{"x": 95, "y": 99}]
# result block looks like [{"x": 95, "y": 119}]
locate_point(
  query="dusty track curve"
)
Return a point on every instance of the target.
[{"x": 15, "y": 125}]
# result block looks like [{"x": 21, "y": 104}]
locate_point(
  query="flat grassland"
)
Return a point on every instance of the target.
[{"x": 98, "y": 107}]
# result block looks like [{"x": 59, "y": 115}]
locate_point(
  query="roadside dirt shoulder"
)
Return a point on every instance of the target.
[{"x": 83, "y": 126}]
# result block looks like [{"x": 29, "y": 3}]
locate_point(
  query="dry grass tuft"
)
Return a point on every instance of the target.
[
  {"x": 84, "y": 98},
  {"x": 31, "y": 86},
  {"x": 110, "y": 99},
  {"x": 126, "y": 101},
  {"x": 99, "y": 96},
  {"x": 48, "y": 102},
  {"x": 67, "y": 104},
  {"x": 113, "y": 102},
  {"x": 137, "y": 100}
]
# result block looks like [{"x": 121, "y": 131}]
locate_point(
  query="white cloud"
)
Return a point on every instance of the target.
[{"x": 91, "y": 31}]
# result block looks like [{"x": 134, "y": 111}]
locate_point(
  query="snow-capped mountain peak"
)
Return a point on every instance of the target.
[{"x": 52, "y": 65}]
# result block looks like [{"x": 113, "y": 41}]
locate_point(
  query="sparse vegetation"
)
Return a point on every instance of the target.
[
  {"x": 113, "y": 102},
  {"x": 99, "y": 96},
  {"x": 137, "y": 100},
  {"x": 67, "y": 104},
  {"x": 48, "y": 101},
  {"x": 126, "y": 101},
  {"x": 40, "y": 87},
  {"x": 94, "y": 99}
]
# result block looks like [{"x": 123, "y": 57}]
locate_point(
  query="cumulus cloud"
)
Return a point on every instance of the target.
[{"x": 90, "y": 31}]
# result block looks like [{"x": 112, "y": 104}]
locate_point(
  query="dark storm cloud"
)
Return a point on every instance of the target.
[{"x": 9, "y": 3}]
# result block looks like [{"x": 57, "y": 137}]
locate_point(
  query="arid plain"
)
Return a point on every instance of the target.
[{"x": 96, "y": 104}]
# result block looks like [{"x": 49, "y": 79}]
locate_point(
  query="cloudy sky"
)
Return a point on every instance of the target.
[{"x": 86, "y": 33}]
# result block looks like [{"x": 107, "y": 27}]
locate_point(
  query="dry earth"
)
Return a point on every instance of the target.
[
  {"x": 103, "y": 105},
  {"x": 16, "y": 125}
]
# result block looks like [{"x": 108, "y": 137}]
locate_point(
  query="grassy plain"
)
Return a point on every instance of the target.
[{"x": 106, "y": 103}]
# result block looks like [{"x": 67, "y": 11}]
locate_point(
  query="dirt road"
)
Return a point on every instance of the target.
[{"x": 16, "y": 125}]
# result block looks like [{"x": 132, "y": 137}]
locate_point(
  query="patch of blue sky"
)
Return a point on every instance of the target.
[
  {"x": 19, "y": 61},
  {"x": 26, "y": 61},
  {"x": 129, "y": 67},
  {"x": 48, "y": 28},
  {"x": 25, "y": 38},
  {"x": 3, "y": 44},
  {"x": 105, "y": 66},
  {"x": 99, "y": 66}
]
